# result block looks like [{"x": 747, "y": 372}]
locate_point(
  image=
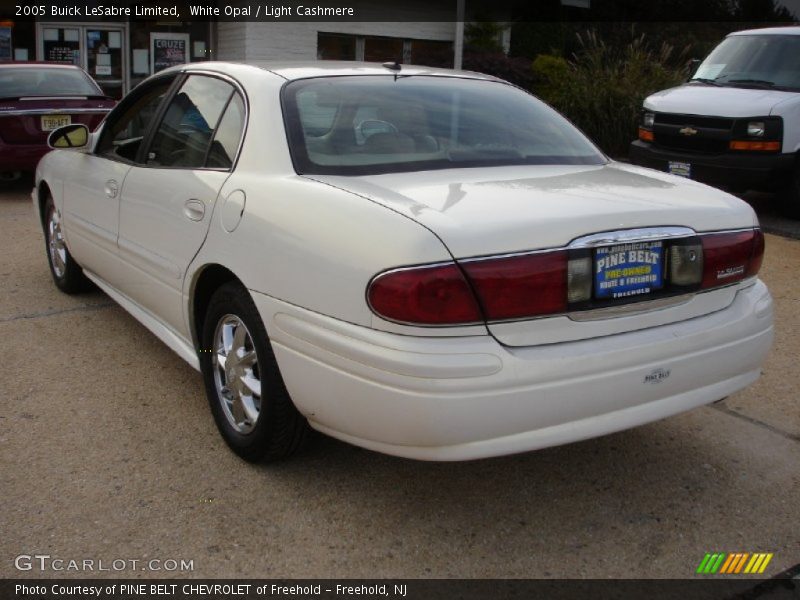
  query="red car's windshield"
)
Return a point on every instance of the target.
[{"x": 18, "y": 82}]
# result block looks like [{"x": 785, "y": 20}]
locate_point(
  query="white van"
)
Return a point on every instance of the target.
[{"x": 736, "y": 123}]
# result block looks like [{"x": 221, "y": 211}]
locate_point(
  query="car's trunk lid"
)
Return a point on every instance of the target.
[
  {"x": 29, "y": 120},
  {"x": 506, "y": 210}
]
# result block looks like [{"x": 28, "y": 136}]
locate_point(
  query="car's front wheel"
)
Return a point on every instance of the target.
[
  {"x": 67, "y": 274},
  {"x": 248, "y": 398}
]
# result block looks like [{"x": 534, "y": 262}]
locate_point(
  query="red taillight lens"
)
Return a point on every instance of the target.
[
  {"x": 731, "y": 257},
  {"x": 434, "y": 295},
  {"x": 539, "y": 284},
  {"x": 520, "y": 286}
]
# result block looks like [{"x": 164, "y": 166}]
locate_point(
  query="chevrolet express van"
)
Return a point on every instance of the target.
[{"x": 736, "y": 123}]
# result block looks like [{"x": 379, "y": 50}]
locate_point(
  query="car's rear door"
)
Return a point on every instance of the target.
[
  {"x": 167, "y": 201},
  {"x": 92, "y": 188}
]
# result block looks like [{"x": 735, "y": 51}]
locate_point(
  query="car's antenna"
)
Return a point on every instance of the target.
[{"x": 393, "y": 66}]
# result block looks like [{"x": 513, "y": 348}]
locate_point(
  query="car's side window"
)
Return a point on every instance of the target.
[
  {"x": 228, "y": 135},
  {"x": 123, "y": 133},
  {"x": 183, "y": 137}
]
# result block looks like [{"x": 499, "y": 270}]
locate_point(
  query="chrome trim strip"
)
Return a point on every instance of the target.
[
  {"x": 607, "y": 238},
  {"x": 626, "y": 236},
  {"x": 624, "y": 310},
  {"x": 52, "y": 111}
]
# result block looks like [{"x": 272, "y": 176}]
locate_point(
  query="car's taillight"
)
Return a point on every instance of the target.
[
  {"x": 427, "y": 295},
  {"x": 731, "y": 257},
  {"x": 550, "y": 282},
  {"x": 520, "y": 286}
]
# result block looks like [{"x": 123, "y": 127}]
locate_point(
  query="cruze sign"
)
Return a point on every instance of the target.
[{"x": 168, "y": 50}]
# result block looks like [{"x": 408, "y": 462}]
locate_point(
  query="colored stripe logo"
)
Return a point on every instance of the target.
[{"x": 734, "y": 563}]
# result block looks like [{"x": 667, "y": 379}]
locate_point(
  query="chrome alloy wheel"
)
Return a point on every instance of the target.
[
  {"x": 55, "y": 244},
  {"x": 236, "y": 373}
]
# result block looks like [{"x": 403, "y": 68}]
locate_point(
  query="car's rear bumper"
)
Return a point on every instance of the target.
[
  {"x": 21, "y": 157},
  {"x": 466, "y": 398},
  {"x": 736, "y": 171}
]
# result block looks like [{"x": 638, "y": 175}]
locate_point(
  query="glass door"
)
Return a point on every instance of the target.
[
  {"x": 104, "y": 59},
  {"x": 101, "y": 49}
]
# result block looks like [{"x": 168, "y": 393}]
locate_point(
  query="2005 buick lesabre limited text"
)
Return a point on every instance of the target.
[{"x": 427, "y": 263}]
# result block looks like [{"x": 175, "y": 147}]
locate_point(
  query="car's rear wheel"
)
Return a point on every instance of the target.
[
  {"x": 67, "y": 274},
  {"x": 248, "y": 398},
  {"x": 10, "y": 176}
]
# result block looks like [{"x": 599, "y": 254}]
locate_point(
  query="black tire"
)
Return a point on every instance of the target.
[
  {"x": 279, "y": 430},
  {"x": 789, "y": 200},
  {"x": 67, "y": 273}
]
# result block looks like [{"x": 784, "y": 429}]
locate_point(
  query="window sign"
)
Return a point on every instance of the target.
[
  {"x": 5, "y": 43},
  {"x": 168, "y": 50},
  {"x": 62, "y": 45}
]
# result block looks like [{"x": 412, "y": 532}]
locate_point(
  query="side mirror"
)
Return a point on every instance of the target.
[
  {"x": 69, "y": 136},
  {"x": 691, "y": 67}
]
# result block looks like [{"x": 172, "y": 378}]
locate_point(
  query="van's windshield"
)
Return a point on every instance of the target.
[{"x": 758, "y": 61}]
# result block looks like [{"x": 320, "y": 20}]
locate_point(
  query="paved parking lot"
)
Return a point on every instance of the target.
[{"x": 108, "y": 452}]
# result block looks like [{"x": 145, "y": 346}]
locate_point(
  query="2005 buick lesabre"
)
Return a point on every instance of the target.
[{"x": 427, "y": 263}]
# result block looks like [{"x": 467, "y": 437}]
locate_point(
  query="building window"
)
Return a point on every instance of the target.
[
  {"x": 334, "y": 46},
  {"x": 339, "y": 46},
  {"x": 384, "y": 49}
]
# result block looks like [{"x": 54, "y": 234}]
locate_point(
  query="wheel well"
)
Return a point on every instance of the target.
[
  {"x": 43, "y": 192},
  {"x": 207, "y": 282}
]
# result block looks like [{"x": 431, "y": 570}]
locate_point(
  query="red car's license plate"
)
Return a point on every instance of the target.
[{"x": 51, "y": 122}]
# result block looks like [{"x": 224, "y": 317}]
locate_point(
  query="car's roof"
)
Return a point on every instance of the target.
[
  {"x": 793, "y": 30},
  {"x": 303, "y": 69}
]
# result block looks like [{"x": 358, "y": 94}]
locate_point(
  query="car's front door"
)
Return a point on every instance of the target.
[
  {"x": 167, "y": 201},
  {"x": 92, "y": 188}
]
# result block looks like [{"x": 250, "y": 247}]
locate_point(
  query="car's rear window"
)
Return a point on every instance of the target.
[
  {"x": 379, "y": 124},
  {"x": 18, "y": 82}
]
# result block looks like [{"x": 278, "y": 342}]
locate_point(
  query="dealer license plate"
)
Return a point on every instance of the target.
[
  {"x": 628, "y": 270},
  {"x": 681, "y": 169},
  {"x": 51, "y": 122}
]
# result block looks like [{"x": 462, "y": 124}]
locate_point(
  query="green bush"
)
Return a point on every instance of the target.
[{"x": 601, "y": 89}]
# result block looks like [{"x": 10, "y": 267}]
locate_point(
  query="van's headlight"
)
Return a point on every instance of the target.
[
  {"x": 756, "y": 128},
  {"x": 648, "y": 119}
]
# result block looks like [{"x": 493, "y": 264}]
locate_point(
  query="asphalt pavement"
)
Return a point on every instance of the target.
[{"x": 108, "y": 453}]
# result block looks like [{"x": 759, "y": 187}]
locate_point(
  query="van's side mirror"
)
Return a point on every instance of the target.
[
  {"x": 691, "y": 67},
  {"x": 69, "y": 136}
]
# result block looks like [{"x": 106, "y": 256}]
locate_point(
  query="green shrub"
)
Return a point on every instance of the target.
[{"x": 601, "y": 89}]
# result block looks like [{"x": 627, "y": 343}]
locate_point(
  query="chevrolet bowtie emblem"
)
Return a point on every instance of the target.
[{"x": 688, "y": 131}]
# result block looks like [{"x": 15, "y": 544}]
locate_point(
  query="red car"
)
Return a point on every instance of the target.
[{"x": 36, "y": 98}]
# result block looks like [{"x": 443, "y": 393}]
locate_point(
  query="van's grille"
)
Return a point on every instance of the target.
[{"x": 693, "y": 133}]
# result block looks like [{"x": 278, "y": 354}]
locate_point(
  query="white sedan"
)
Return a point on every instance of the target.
[{"x": 427, "y": 263}]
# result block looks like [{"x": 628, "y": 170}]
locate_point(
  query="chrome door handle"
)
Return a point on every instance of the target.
[{"x": 194, "y": 209}]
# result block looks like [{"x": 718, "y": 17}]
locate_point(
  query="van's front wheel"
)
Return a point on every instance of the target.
[{"x": 790, "y": 197}]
